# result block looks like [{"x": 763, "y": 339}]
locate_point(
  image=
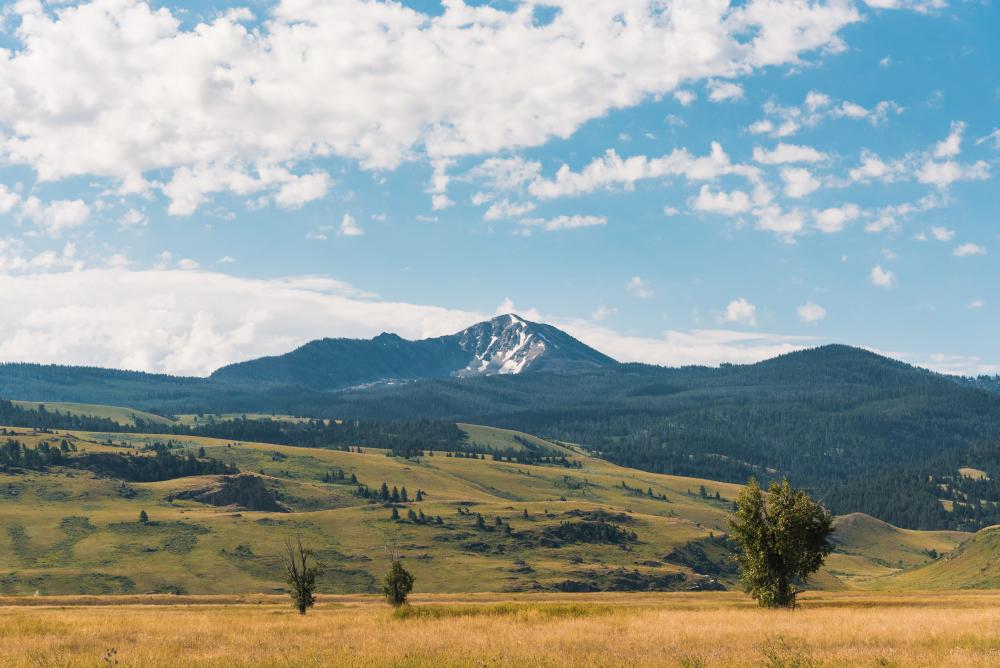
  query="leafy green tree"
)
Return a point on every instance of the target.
[
  {"x": 784, "y": 537},
  {"x": 301, "y": 573},
  {"x": 398, "y": 582}
]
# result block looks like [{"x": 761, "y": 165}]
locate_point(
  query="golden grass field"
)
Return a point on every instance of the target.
[{"x": 666, "y": 629}]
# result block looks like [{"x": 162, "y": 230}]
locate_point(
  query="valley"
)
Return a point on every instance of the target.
[{"x": 578, "y": 524}]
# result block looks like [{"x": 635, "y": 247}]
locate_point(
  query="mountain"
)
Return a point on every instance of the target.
[
  {"x": 504, "y": 345},
  {"x": 864, "y": 432}
]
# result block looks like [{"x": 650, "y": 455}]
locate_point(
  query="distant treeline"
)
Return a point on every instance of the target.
[
  {"x": 40, "y": 417},
  {"x": 164, "y": 465}
]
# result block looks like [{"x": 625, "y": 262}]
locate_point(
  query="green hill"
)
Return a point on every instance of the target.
[
  {"x": 861, "y": 431},
  {"x": 123, "y": 416},
  {"x": 588, "y": 525},
  {"x": 974, "y": 565}
]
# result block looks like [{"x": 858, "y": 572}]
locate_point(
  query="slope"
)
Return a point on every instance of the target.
[{"x": 506, "y": 344}]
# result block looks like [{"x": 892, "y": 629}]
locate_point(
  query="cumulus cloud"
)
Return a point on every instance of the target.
[
  {"x": 943, "y": 174},
  {"x": 507, "y": 209},
  {"x": 297, "y": 191},
  {"x": 817, "y": 107},
  {"x": 685, "y": 97},
  {"x": 742, "y": 312},
  {"x": 799, "y": 182},
  {"x": 192, "y": 322},
  {"x": 349, "y": 227},
  {"x": 965, "y": 250},
  {"x": 133, "y": 218},
  {"x": 723, "y": 91},
  {"x": 126, "y": 90},
  {"x": 881, "y": 277},
  {"x": 727, "y": 204},
  {"x": 785, "y": 153},
  {"x": 952, "y": 145},
  {"x": 57, "y": 216},
  {"x": 610, "y": 170},
  {"x": 639, "y": 287},
  {"x": 785, "y": 224},
  {"x": 833, "y": 219},
  {"x": 810, "y": 312},
  {"x": 942, "y": 233}
]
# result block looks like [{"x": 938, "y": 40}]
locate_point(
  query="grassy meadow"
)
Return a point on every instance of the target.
[
  {"x": 84, "y": 583},
  {"x": 69, "y": 531},
  {"x": 637, "y": 629}
]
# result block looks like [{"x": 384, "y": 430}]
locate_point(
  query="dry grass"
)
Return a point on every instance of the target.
[{"x": 953, "y": 629}]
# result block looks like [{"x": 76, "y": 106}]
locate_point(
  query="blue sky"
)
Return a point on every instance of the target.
[{"x": 188, "y": 184}]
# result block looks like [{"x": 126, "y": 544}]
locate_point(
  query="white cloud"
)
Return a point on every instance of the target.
[
  {"x": 872, "y": 167},
  {"x": 943, "y": 174},
  {"x": 192, "y": 322},
  {"x": 8, "y": 199},
  {"x": 727, "y": 204},
  {"x": 942, "y": 233},
  {"x": 208, "y": 93},
  {"x": 723, "y": 91},
  {"x": 976, "y": 304},
  {"x": 916, "y": 5},
  {"x": 349, "y": 227},
  {"x": 742, "y": 312},
  {"x": 782, "y": 121},
  {"x": 993, "y": 138},
  {"x": 816, "y": 100},
  {"x": 602, "y": 312},
  {"x": 881, "y": 277},
  {"x": 785, "y": 224},
  {"x": 810, "y": 312},
  {"x": 506, "y": 173},
  {"x": 300, "y": 190},
  {"x": 441, "y": 202},
  {"x": 785, "y": 153},
  {"x": 507, "y": 209},
  {"x": 133, "y": 218},
  {"x": 952, "y": 145},
  {"x": 833, "y": 219},
  {"x": 611, "y": 170},
  {"x": 639, "y": 287},
  {"x": 319, "y": 233},
  {"x": 799, "y": 181},
  {"x": 562, "y": 223},
  {"x": 187, "y": 264},
  {"x": 966, "y": 250},
  {"x": 685, "y": 97},
  {"x": 57, "y": 216}
]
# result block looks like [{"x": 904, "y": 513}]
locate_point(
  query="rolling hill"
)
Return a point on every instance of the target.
[
  {"x": 585, "y": 525},
  {"x": 863, "y": 432}
]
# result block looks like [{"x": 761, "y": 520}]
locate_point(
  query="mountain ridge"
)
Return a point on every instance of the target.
[{"x": 504, "y": 345}]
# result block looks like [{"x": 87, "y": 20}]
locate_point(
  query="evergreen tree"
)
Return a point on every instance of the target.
[
  {"x": 783, "y": 537},
  {"x": 143, "y": 517},
  {"x": 397, "y": 585}
]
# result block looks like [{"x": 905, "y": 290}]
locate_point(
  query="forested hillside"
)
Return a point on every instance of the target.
[{"x": 862, "y": 431}]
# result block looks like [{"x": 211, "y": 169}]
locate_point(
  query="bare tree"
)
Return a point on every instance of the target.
[{"x": 300, "y": 574}]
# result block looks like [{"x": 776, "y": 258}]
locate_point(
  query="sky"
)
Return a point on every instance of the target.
[{"x": 187, "y": 184}]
